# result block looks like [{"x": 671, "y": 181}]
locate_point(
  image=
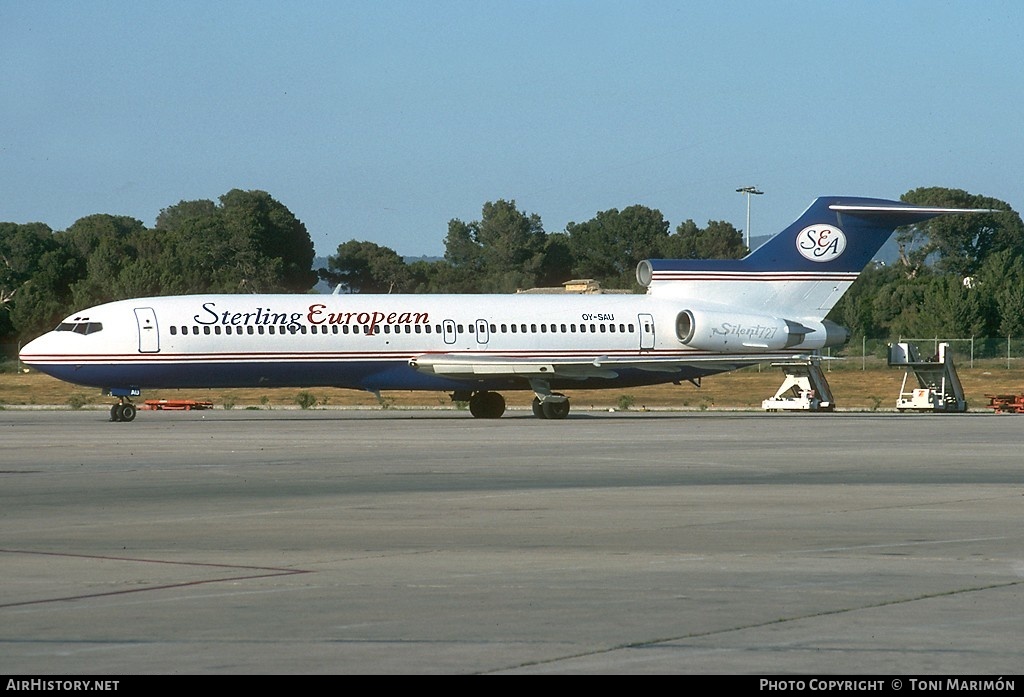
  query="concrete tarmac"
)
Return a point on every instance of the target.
[{"x": 301, "y": 542}]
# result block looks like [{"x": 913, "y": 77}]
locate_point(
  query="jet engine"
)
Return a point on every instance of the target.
[{"x": 735, "y": 332}]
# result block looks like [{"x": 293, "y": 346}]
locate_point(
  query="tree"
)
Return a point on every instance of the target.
[
  {"x": 556, "y": 265},
  {"x": 106, "y": 245},
  {"x": 610, "y": 245},
  {"x": 250, "y": 242},
  {"x": 365, "y": 267},
  {"x": 35, "y": 276},
  {"x": 173, "y": 217},
  {"x": 264, "y": 232},
  {"x": 1001, "y": 280},
  {"x": 21, "y": 248},
  {"x": 719, "y": 240},
  {"x": 505, "y": 248},
  {"x": 961, "y": 242},
  {"x": 856, "y": 309}
]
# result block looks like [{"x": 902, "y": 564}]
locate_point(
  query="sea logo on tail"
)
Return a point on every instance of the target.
[{"x": 821, "y": 242}]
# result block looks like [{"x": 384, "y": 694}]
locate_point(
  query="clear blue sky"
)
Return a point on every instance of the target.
[{"x": 382, "y": 120}]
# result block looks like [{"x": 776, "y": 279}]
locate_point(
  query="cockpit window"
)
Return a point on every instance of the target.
[{"x": 80, "y": 326}]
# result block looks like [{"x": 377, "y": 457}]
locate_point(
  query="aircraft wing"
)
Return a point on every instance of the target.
[{"x": 582, "y": 367}]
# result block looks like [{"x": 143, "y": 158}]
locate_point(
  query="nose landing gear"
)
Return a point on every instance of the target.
[{"x": 123, "y": 411}]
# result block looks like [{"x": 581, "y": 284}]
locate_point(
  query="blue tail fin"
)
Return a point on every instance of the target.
[{"x": 803, "y": 270}]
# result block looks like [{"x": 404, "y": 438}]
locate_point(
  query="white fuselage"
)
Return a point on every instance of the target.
[{"x": 368, "y": 341}]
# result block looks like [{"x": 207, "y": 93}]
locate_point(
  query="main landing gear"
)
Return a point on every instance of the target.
[
  {"x": 555, "y": 406},
  {"x": 491, "y": 405},
  {"x": 487, "y": 405},
  {"x": 548, "y": 404},
  {"x": 124, "y": 410}
]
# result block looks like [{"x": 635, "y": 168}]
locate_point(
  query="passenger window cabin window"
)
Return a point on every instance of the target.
[
  {"x": 419, "y": 329},
  {"x": 611, "y": 328},
  {"x": 174, "y": 330},
  {"x": 494, "y": 329},
  {"x": 195, "y": 330},
  {"x": 563, "y": 329},
  {"x": 206, "y": 330},
  {"x": 533, "y": 328},
  {"x": 513, "y": 329}
]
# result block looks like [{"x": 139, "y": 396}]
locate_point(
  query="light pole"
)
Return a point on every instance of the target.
[{"x": 748, "y": 190}]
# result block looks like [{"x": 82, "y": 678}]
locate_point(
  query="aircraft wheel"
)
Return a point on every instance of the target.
[
  {"x": 128, "y": 412},
  {"x": 538, "y": 409},
  {"x": 487, "y": 405},
  {"x": 115, "y": 412},
  {"x": 556, "y": 410}
]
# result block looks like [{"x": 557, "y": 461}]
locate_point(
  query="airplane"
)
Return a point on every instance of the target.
[{"x": 697, "y": 318}]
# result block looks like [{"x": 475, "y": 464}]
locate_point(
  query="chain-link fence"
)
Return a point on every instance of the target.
[{"x": 1004, "y": 352}]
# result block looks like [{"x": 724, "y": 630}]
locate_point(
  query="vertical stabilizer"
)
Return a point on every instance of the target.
[{"x": 800, "y": 272}]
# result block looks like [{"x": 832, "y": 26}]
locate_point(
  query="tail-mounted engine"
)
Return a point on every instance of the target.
[{"x": 729, "y": 332}]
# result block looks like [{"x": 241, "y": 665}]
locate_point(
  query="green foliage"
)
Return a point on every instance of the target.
[
  {"x": 503, "y": 251},
  {"x": 247, "y": 243},
  {"x": 77, "y": 401},
  {"x": 365, "y": 267},
  {"x": 609, "y": 246},
  {"x": 305, "y": 400},
  {"x": 719, "y": 240},
  {"x": 961, "y": 242}
]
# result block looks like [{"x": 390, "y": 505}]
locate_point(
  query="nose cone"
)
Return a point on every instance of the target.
[
  {"x": 35, "y": 352},
  {"x": 32, "y": 349}
]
